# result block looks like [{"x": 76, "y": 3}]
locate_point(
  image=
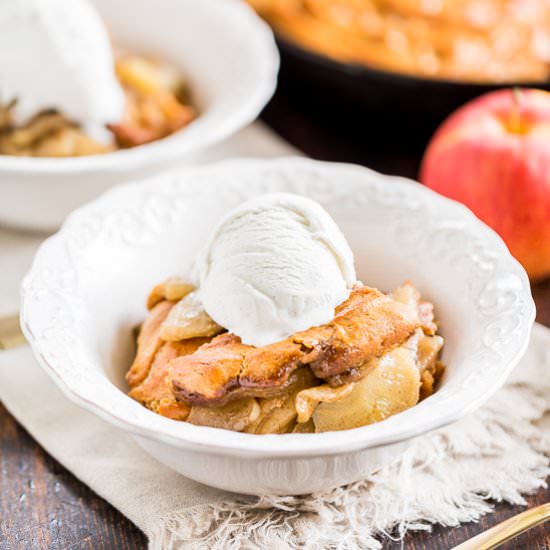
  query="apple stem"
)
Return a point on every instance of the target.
[{"x": 515, "y": 114}]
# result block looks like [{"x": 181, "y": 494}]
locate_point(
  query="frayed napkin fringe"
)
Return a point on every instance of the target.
[{"x": 499, "y": 453}]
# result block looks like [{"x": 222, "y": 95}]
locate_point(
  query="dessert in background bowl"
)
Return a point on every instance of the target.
[
  {"x": 183, "y": 75},
  {"x": 65, "y": 94},
  {"x": 85, "y": 293},
  {"x": 276, "y": 335}
]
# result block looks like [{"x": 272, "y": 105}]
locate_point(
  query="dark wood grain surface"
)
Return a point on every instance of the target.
[{"x": 42, "y": 505}]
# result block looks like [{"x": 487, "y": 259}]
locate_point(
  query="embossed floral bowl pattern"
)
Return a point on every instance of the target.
[
  {"x": 87, "y": 288},
  {"x": 230, "y": 60}
]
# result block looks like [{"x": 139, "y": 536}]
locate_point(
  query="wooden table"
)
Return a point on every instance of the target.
[{"x": 43, "y": 506}]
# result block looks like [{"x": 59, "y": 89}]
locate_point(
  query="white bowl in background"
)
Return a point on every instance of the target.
[
  {"x": 88, "y": 283},
  {"x": 230, "y": 59}
]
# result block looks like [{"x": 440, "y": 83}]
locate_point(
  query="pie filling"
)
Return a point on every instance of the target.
[{"x": 378, "y": 356}]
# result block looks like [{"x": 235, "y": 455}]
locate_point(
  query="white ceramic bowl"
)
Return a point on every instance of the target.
[
  {"x": 230, "y": 59},
  {"x": 87, "y": 287}
]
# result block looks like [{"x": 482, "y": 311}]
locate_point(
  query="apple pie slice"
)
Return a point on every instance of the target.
[{"x": 378, "y": 356}]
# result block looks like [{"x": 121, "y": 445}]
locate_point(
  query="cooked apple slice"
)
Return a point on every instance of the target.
[
  {"x": 235, "y": 415},
  {"x": 173, "y": 289},
  {"x": 406, "y": 294},
  {"x": 188, "y": 319},
  {"x": 409, "y": 295},
  {"x": 280, "y": 420},
  {"x": 392, "y": 386},
  {"x": 307, "y": 400},
  {"x": 430, "y": 368},
  {"x": 304, "y": 428},
  {"x": 278, "y": 414}
]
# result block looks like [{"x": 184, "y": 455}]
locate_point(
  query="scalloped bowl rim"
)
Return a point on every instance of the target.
[
  {"x": 260, "y": 36},
  {"x": 224, "y": 442}
]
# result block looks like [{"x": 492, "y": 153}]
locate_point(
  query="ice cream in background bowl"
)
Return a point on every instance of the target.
[
  {"x": 57, "y": 55},
  {"x": 275, "y": 265}
]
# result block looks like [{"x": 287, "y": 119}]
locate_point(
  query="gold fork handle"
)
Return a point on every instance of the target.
[
  {"x": 10, "y": 332},
  {"x": 512, "y": 527}
]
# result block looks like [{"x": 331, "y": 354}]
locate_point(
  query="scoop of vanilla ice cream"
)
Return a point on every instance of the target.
[
  {"x": 56, "y": 54},
  {"x": 275, "y": 265}
]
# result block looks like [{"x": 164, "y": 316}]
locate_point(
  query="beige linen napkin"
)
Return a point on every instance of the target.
[{"x": 446, "y": 477}]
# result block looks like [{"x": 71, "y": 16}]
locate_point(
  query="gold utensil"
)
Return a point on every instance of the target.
[
  {"x": 512, "y": 527},
  {"x": 10, "y": 332}
]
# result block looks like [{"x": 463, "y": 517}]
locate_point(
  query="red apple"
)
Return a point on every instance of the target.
[{"x": 493, "y": 155}]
